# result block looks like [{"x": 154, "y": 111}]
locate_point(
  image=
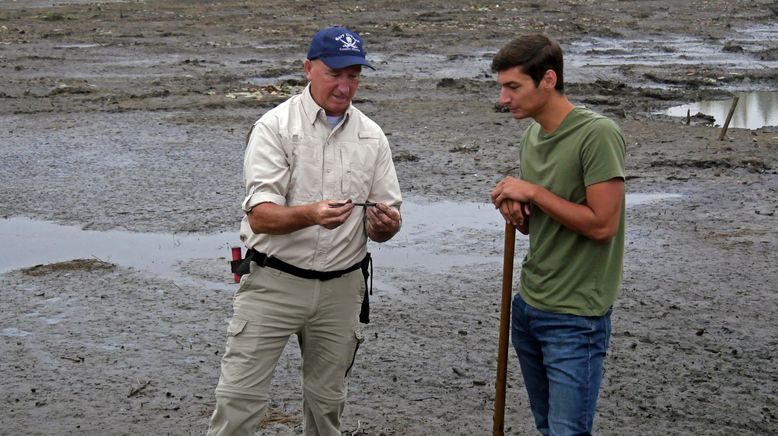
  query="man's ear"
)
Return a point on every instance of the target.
[
  {"x": 549, "y": 80},
  {"x": 308, "y": 66}
]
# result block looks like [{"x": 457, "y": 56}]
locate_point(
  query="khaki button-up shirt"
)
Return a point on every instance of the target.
[{"x": 293, "y": 157}]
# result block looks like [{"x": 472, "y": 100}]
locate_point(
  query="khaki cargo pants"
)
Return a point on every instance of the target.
[{"x": 269, "y": 307}]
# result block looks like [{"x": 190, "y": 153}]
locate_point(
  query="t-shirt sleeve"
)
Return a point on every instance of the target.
[{"x": 603, "y": 153}]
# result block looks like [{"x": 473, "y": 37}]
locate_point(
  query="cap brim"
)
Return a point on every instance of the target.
[{"x": 338, "y": 62}]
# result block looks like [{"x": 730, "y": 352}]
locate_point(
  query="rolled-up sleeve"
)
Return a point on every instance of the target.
[{"x": 266, "y": 171}]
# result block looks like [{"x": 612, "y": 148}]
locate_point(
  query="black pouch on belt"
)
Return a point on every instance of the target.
[{"x": 242, "y": 266}]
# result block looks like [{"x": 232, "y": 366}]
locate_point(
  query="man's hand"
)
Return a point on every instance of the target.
[
  {"x": 516, "y": 213},
  {"x": 511, "y": 188},
  {"x": 331, "y": 215},
  {"x": 512, "y": 197},
  {"x": 383, "y": 222}
]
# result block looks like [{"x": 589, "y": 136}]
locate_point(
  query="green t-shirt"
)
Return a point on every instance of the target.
[{"x": 565, "y": 272}]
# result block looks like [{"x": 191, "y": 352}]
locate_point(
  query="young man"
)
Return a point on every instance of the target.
[
  {"x": 570, "y": 200},
  {"x": 308, "y": 162}
]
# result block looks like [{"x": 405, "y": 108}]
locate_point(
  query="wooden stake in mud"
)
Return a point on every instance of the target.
[
  {"x": 729, "y": 117},
  {"x": 505, "y": 316}
]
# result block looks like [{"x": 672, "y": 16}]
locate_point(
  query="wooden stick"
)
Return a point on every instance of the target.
[
  {"x": 505, "y": 316},
  {"x": 137, "y": 390},
  {"x": 729, "y": 117}
]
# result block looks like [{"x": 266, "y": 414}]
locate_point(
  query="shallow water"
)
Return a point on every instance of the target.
[
  {"x": 591, "y": 58},
  {"x": 753, "y": 111},
  {"x": 13, "y": 4},
  {"x": 588, "y": 59},
  {"x": 431, "y": 240},
  {"x": 677, "y": 49},
  {"x": 28, "y": 242}
]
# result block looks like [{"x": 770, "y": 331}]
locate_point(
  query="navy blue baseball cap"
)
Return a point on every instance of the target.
[{"x": 338, "y": 47}]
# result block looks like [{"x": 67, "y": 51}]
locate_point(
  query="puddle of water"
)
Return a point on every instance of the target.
[
  {"x": 275, "y": 47},
  {"x": 84, "y": 45},
  {"x": 29, "y": 242},
  {"x": 683, "y": 50},
  {"x": 640, "y": 199},
  {"x": 429, "y": 228},
  {"x": 675, "y": 51},
  {"x": 14, "y": 332},
  {"x": 14, "y": 4},
  {"x": 431, "y": 239},
  {"x": 428, "y": 66},
  {"x": 590, "y": 58},
  {"x": 754, "y": 110}
]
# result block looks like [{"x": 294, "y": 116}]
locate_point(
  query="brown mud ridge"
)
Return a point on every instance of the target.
[
  {"x": 71, "y": 265},
  {"x": 132, "y": 115}
]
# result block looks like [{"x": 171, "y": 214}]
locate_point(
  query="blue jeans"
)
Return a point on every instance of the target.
[{"x": 561, "y": 358}]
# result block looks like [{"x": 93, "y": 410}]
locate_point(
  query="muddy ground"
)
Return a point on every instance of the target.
[{"x": 132, "y": 115}]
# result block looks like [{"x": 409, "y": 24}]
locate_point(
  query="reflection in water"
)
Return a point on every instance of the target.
[
  {"x": 432, "y": 239},
  {"x": 754, "y": 110}
]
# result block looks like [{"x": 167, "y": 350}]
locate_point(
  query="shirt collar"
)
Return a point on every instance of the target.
[{"x": 315, "y": 112}]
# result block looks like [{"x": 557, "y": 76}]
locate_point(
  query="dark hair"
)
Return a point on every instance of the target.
[{"x": 534, "y": 54}]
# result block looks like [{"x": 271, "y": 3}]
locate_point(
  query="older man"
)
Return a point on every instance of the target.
[{"x": 319, "y": 181}]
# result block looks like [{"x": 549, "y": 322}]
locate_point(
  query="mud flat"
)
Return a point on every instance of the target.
[{"x": 124, "y": 122}]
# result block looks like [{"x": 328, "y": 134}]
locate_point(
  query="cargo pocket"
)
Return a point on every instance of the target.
[
  {"x": 236, "y": 362},
  {"x": 236, "y": 327},
  {"x": 358, "y": 339}
]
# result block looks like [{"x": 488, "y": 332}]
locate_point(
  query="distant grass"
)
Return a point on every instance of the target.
[{"x": 52, "y": 16}]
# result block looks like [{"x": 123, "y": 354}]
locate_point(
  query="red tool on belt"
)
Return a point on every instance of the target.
[{"x": 236, "y": 255}]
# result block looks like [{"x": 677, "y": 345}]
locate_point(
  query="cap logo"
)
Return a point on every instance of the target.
[{"x": 348, "y": 41}]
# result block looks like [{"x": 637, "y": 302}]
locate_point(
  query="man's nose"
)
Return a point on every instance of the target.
[
  {"x": 344, "y": 86},
  {"x": 504, "y": 99}
]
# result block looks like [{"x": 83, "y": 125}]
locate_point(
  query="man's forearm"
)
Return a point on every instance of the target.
[
  {"x": 597, "y": 220},
  {"x": 576, "y": 217},
  {"x": 274, "y": 219}
]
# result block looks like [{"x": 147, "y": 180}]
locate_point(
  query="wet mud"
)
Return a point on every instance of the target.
[{"x": 131, "y": 116}]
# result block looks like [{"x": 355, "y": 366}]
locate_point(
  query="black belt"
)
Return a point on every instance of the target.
[{"x": 264, "y": 260}]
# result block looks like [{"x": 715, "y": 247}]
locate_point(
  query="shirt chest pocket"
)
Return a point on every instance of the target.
[
  {"x": 359, "y": 161},
  {"x": 305, "y": 168}
]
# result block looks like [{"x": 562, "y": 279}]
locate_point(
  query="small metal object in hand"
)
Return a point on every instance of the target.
[{"x": 365, "y": 204}]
